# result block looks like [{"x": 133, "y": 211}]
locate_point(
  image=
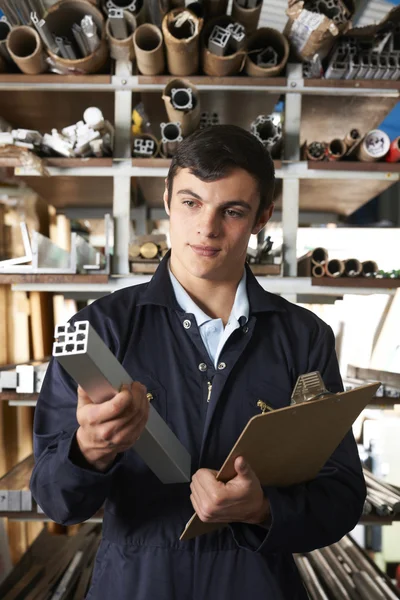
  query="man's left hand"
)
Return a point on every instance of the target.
[{"x": 239, "y": 500}]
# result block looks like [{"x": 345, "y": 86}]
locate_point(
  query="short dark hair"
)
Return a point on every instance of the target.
[{"x": 212, "y": 153}]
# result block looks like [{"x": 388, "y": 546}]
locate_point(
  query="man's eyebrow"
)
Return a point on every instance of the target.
[{"x": 230, "y": 203}]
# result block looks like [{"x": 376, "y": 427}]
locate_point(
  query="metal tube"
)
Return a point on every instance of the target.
[
  {"x": 44, "y": 32},
  {"x": 367, "y": 587},
  {"x": 347, "y": 588},
  {"x": 310, "y": 579},
  {"x": 325, "y": 569},
  {"x": 89, "y": 30}
]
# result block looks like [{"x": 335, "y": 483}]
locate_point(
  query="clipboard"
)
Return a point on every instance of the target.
[{"x": 290, "y": 445}]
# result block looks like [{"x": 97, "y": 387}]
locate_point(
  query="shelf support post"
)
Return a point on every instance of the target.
[
  {"x": 122, "y": 181},
  {"x": 291, "y": 186}
]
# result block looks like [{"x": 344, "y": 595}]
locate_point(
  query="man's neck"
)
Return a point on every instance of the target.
[{"x": 214, "y": 297}]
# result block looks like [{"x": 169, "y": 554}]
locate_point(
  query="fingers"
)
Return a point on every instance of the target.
[{"x": 129, "y": 401}]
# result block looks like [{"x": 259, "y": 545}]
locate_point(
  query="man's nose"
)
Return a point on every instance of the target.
[{"x": 209, "y": 224}]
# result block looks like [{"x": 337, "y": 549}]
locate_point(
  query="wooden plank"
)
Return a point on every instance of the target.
[
  {"x": 375, "y": 84},
  {"x": 361, "y": 282},
  {"x": 63, "y": 191},
  {"x": 59, "y": 79},
  {"x": 344, "y": 165},
  {"x": 206, "y": 80},
  {"x": 62, "y": 163}
]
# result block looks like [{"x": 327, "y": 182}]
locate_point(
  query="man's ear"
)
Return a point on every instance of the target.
[
  {"x": 165, "y": 198},
  {"x": 263, "y": 219}
]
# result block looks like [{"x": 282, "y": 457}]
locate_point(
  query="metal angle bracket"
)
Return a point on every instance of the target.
[{"x": 85, "y": 356}]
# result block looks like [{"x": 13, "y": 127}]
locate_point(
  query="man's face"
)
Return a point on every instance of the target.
[{"x": 211, "y": 223}]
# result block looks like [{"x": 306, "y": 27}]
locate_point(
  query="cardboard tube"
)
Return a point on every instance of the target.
[
  {"x": 61, "y": 17},
  {"x": 5, "y": 29},
  {"x": 122, "y": 49},
  {"x": 263, "y": 38},
  {"x": 319, "y": 256},
  {"x": 248, "y": 17},
  {"x": 374, "y": 146},
  {"x": 148, "y": 42},
  {"x": 369, "y": 268},
  {"x": 352, "y": 267},
  {"x": 26, "y": 49},
  {"x": 189, "y": 119},
  {"x": 215, "y": 8},
  {"x": 336, "y": 149},
  {"x": 352, "y": 137},
  {"x": 394, "y": 151},
  {"x": 318, "y": 271},
  {"x": 220, "y": 66},
  {"x": 181, "y": 45},
  {"x": 334, "y": 268}
]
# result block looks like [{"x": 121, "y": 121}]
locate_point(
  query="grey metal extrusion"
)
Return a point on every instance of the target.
[{"x": 84, "y": 355}]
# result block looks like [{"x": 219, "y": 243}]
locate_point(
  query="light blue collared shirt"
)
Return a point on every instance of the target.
[{"x": 212, "y": 331}]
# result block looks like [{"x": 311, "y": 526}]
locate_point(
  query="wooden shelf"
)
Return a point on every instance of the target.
[
  {"x": 361, "y": 282},
  {"x": 15, "y": 396},
  {"x": 53, "y": 78},
  {"x": 353, "y": 84},
  {"x": 60, "y": 162},
  {"x": 344, "y": 165},
  {"x": 216, "y": 81},
  {"x": 37, "y": 278}
]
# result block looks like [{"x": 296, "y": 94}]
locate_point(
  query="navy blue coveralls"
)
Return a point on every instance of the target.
[{"x": 140, "y": 556}]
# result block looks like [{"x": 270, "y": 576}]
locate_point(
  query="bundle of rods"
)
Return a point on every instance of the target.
[
  {"x": 382, "y": 499},
  {"x": 343, "y": 572}
]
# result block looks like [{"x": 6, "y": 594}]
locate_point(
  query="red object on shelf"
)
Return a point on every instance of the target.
[
  {"x": 394, "y": 151},
  {"x": 398, "y": 576}
]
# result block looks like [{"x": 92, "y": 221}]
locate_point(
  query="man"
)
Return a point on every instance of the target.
[{"x": 208, "y": 343}]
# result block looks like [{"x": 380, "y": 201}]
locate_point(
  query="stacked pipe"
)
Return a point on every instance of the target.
[
  {"x": 372, "y": 147},
  {"x": 322, "y": 265},
  {"x": 382, "y": 499},
  {"x": 343, "y": 571}
]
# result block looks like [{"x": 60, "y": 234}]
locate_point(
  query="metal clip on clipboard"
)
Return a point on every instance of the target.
[{"x": 309, "y": 387}]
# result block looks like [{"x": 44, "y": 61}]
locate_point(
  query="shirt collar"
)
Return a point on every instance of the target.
[
  {"x": 160, "y": 292},
  {"x": 240, "y": 306}
]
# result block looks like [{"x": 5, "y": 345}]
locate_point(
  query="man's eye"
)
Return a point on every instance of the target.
[
  {"x": 234, "y": 213},
  {"x": 189, "y": 203}
]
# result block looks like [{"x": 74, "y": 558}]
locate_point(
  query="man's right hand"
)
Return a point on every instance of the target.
[{"x": 111, "y": 427}]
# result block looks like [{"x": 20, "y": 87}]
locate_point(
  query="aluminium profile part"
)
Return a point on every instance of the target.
[
  {"x": 181, "y": 30},
  {"x": 336, "y": 149},
  {"x": 145, "y": 146},
  {"x": 369, "y": 268},
  {"x": 171, "y": 137},
  {"x": 319, "y": 256},
  {"x": 121, "y": 40},
  {"x": 20, "y": 260},
  {"x": 375, "y": 145},
  {"x": 247, "y": 16},
  {"x": 267, "y": 58},
  {"x": 89, "y": 30},
  {"x": 393, "y": 154},
  {"x": 47, "y": 257},
  {"x": 44, "y": 32},
  {"x": 181, "y": 98},
  {"x": 85, "y": 257},
  {"x": 334, "y": 268},
  {"x": 218, "y": 42},
  {"x": 352, "y": 137},
  {"x": 26, "y": 49},
  {"x": 10, "y": 13},
  {"x": 337, "y": 70},
  {"x": 352, "y": 267},
  {"x": 149, "y": 50},
  {"x": 364, "y": 66},
  {"x": 268, "y": 133},
  {"x": 238, "y": 36},
  {"x": 316, "y": 151},
  {"x": 263, "y": 38},
  {"x": 93, "y": 117},
  {"x": 87, "y": 359},
  {"x": 392, "y": 61},
  {"x": 188, "y": 119},
  {"x": 383, "y": 66},
  {"x": 221, "y": 66},
  {"x": 373, "y": 67},
  {"x": 28, "y": 136},
  {"x": 80, "y": 40},
  {"x": 354, "y": 65},
  {"x": 117, "y": 25},
  {"x": 124, "y": 4},
  {"x": 24, "y": 12}
]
